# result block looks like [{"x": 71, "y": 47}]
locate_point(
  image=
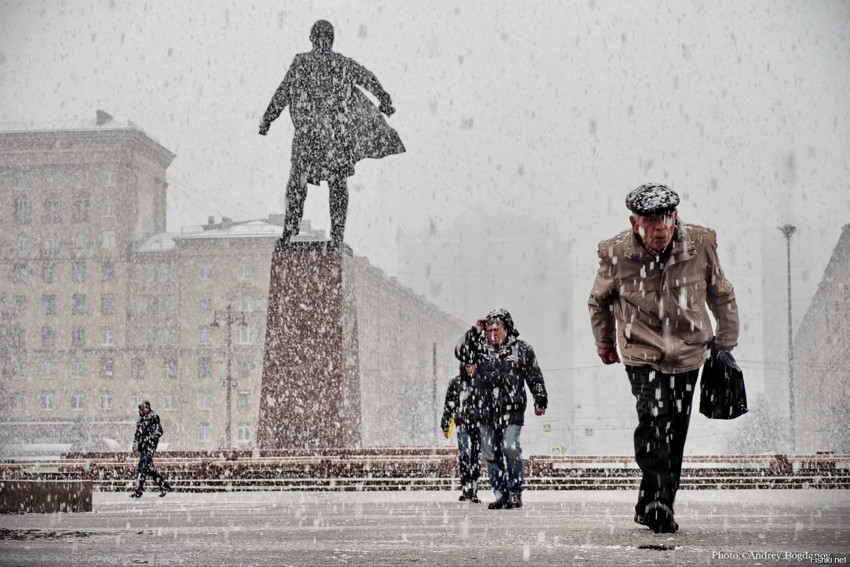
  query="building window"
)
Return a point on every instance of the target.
[
  {"x": 204, "y": 335},
  {"x": 23, "y": 211},
  {"x": 243, "y": 399},
  {"x": 246, "y": 303},
  {"x": 48, "y": 338},
  {"x": 205, "y": 270},
  {"x": 108, "y": 208},
  {"x": 243, "y": 433},
  {"x": 17, "y": 368},
  {"x": 107, "y": 336},
  {"x": 137, "y": 398},
  {"x": 22, "y": 245},
  {"x": 205, "y": 302},
  {"x": 107, "y": 271},
  {"x": 51, "y": 211},
  {"x": 19, "y": 272},
  {"x": 108, "y": 239},
  {"x": 48, "y": 272},
  {"x": 169, "y": 368},
  {"x": 204, "y": 432},
  {"x": 51, "y": 245},
  {"x": 78, "y": 368},
  {"x": 78, "y": 304},
  {"x": 106, "y": 400},
  {"x": 204, "y": 400},
  {"x": 243, "y": 335},
  {"x": 204, "y": 367},
  {"x": 48, "y": 304},
  {"x": 81, "y": 244},
  {"x": 18, "y": 338},
  {"x": 169, "y": 400},
  {"x": 137, "y": 368},
  {"x": 107, "y": 366},
  {"x": 77, "y": 400},
  {"x": 110, "y": 177},
  {"x": 107, "y": 304},
  {"x": 16, "y": 403},
  {"x": 78, "y": 272},
  {"x": 78, "y": 337},
  {"x": 243, "y": 270},
  {"x": 46, "y": 399},
  {"x": 80, "y": 210},
  {"x": 48, "y": 370},
  {"x": 19, "y": 305}
]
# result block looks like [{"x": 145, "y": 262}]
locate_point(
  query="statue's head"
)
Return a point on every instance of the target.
[{"x": 322, "y": 34}]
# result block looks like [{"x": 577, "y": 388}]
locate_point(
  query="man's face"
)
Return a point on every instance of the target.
[
  {"x": 496, "y": 332},
  {"x": 469, "y": 368},
  {"x": 143, "y": 410},
  {"x": 656, "y": 231}
]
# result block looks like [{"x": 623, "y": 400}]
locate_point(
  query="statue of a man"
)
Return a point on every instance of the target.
[{"x": 336, "y": 125}]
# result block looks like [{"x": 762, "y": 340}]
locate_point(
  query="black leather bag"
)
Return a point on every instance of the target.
[{"x": 722, "y": 395}]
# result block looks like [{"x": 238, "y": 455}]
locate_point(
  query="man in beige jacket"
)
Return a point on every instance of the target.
[{"x": 649, "y": 298}]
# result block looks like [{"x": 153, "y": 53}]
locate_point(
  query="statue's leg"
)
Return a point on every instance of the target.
[
  {"x": 296, "y": 193},
  {"x": 338, "y": 196}
]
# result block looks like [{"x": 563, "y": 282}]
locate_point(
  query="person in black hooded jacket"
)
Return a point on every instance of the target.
[
  {"x": 463, "y": 404},
  {"x": 506, "y": 364},
  {"x": 145, "y": 441}
]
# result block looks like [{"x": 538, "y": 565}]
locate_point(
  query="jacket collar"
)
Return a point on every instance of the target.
[{"x": 684, "y": 247}]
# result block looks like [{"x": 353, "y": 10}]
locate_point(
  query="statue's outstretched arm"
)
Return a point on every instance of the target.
[
  {"x": 279, "y": 101},
  {"x": 367, "y": 79}
]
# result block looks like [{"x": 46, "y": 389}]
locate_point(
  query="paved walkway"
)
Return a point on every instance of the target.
[{"x": 718, "y": 527}]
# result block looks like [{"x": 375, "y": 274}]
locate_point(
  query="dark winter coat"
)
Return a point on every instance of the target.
[
  {"x": 336, "y": 125},
  {"x": 148, "y": 432},
  {"x": 505, "y": 371},
  {"x": 464, "y": 399}
]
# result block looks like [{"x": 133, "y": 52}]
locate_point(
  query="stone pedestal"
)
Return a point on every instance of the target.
[{"x": 310, "y": 395}]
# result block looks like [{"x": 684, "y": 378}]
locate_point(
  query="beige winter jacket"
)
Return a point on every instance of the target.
[{"x": 661, "y": 317}]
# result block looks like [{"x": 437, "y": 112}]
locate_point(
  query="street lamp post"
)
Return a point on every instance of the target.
[
  {"x": 229, "y": 317},
  {"x": 788, "y": 230}
]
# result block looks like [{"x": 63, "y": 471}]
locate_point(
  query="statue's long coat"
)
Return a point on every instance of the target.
[{"x": 336, "y": 125}]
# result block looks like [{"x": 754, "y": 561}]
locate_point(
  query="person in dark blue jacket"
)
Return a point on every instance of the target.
[
  {"x": 507, "y": 365},
  {"x": 463, "y": 404}
]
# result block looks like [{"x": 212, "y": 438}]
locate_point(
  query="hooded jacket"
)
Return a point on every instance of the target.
[
  {"x": 148, "y": 432},
  {"x": 505, "y": 371},
  {"x": 464, "y": 399},
  {"x": 657, "y": 313}
]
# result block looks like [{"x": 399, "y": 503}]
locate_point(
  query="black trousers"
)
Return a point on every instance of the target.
[
  {"x": 296, "y": 194},
  {"x": 664, "y": 413},
  {"x": 146, "y": 468}
]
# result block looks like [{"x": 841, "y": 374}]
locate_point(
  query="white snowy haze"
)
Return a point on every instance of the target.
[{"x": 515, "y": 115}]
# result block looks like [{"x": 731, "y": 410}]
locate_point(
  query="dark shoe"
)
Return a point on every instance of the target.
[
  {"x": 136, "y": 495},
  {"x": 498, "y": 504},
  {"x": 164, "y": 489},
  {"x": 474, "y": 498},
  {"x": 514, "y": 501},
  {"x": 464, "y": 496},
  {"x": 659, "y": 518}
]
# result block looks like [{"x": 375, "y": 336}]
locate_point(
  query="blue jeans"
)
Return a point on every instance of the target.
[
  {"x": 469, "y": 456},
  {"x": 503, "y": 453}
]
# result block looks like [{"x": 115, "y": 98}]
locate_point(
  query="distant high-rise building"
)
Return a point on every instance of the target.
[{"x": 821, "y": 388}]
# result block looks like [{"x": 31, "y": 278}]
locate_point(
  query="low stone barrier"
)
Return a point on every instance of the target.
[{"x": 45, "y": 496}]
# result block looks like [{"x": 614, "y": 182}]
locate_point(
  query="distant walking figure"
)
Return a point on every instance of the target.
[
  {"x": 148, "y": 432},
  {"x": 336, "y": 126}
]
